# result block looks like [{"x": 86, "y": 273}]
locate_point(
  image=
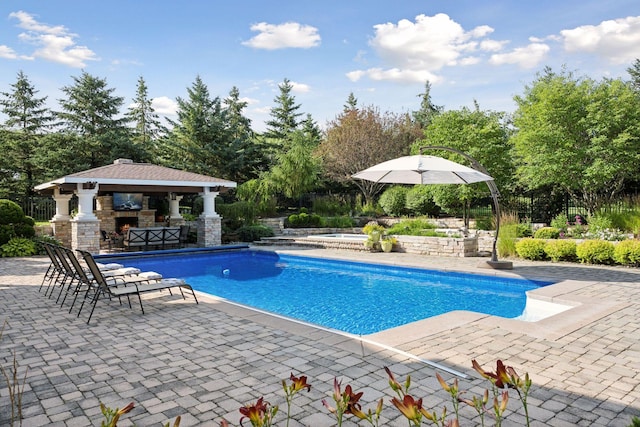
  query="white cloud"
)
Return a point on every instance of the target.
[
  {"x": 249, "y": 101},
  {"x": 7, "y": 53},
  {"x": 287, "y": 35},
  {"x": 299, "y": 87},
  {"x": 616, "y": 40},
  {"x": 525, "y": 57},
  {"x": 54, "y": 43},
  {"x": 492, "y": 45},
  {"x": 416, "y": 51},
  {"x": 164, "y": 105}
]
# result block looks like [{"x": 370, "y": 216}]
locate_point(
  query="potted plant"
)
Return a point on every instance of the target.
[
  {"x": 373, "y": 230},
  {"x": 386, "y": 244}
]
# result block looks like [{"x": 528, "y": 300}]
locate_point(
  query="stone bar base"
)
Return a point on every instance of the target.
[
  {"x": 85, "y": 235},
  {"x": 62, "y": 231},
  {"x": 209, "y": 231}
]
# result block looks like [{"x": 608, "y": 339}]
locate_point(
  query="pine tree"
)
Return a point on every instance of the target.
[
  {"x": 428, "y": 109},
  {"x": 28, "y": 119},
  {"x": 352, "y": 103},
  {"x": 147, "y": 126},
  {"x": 197, "y": 139},
  {"x": 284, "y": 118},
  {"x": 634, "y": 72},
  {"x": 311, "y": 130},
  {"x": 242, "y": 157},
  {"x": 91, "y": 112}
]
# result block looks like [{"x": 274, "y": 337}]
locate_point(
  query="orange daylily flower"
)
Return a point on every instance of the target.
[
  {"x": 500, "y": 378},
  {"x": 411, "y": 408},
  {"x": 257, "y": 413}
]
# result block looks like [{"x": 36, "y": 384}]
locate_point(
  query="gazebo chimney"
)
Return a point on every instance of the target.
[{"x": 122, "y": 161}]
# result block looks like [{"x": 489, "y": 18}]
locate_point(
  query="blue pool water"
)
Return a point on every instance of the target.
[{"x": 358, "y": 298}]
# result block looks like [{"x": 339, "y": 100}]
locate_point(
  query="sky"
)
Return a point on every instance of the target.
[{"x": 381, "y": 51}]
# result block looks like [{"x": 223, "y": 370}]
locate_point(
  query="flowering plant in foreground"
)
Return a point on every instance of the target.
[{"x": 347, "y": 401}]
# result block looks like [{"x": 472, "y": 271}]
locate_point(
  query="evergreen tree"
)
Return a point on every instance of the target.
[
  {"x": 243, "y": 159},
  {"x": 284, "y": 119},
  {"x": 311, "y": 130},
  {"x": 352, "y": 103},
  {"x": 197, "y": 138},
  {"x": 91, "y": 112},
  {"x": 428, "y": 110},
  {"x": 634, "y": 72},
  {"x": 28, "y": 119},
  {"x": 147, "y": 126}
]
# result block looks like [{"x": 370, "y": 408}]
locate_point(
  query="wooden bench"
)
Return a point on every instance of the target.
[{"x": 152, "y": 238}]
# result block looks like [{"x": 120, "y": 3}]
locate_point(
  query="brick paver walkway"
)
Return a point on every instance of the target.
[{"x": 204, "y": 361}]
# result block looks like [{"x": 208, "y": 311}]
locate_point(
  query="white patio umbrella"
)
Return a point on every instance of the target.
[{"x": 422, "y": 169}]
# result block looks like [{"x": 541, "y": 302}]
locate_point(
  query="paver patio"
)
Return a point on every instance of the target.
[{"x": 204, "y": 361}]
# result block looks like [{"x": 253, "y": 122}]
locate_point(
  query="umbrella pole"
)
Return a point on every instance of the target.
[{"x": 495, "y": 195}]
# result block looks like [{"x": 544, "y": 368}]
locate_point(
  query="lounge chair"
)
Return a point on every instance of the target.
[{"x": 117, "y": 287}]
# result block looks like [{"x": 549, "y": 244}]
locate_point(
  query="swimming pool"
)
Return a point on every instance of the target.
[{"x": 353, "y": 297}]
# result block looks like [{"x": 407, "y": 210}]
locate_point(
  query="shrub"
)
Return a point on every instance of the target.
[
  {"x": 10, "y": 212},
  {"x": 238, "y": 212},
  {"x": 547, "y": 233},
  {"x": 532, "y": 249},
  {"x": 303, "y": 220},
  {"x": 19, "y": 246},
  {"x": 6, "y": 233},
  {"x": 561, "y": 222},
  {"x": 560, "y": 250},
  {"x": 419, "y": 201},
  {"x": 523, "y": 229},
  {"x": 627, "y": 252},
  {"x": 412, "y": 227},
  {"x": 484, "y": 223},
  {"x": 393, "y": 200},
  {"x": 331, "y": 205},
  {"x": 600, "y": 222},
  {"x": 506, "y": 245},
  {"x": 44, "y": 239},
  {"x": 595, "y": 252},
  {"x": 251, "y": 233},
  {"x": 339, "y": 222}
]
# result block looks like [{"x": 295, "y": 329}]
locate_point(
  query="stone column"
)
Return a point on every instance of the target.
[
  {"x": 61, "y": 220},
  {"x": 174, "y": 206},
  {"x": 209, "y": 231},
  {"x": 209, "y": 222},
  {"x": 85, "y": 227}
]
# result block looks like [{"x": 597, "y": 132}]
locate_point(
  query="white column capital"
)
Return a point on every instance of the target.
[
  {"x": 209, "y": 198},
  {"x": 85, "y": 202},
  {"x": 62, "y": 206}
]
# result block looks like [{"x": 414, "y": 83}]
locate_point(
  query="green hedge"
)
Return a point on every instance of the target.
[
  {"x": 595, "y": 252},
  {"x": 532, "y": 249},
  {"x": 560, "y": 250},
  {"x": 547, "y": 233},
  {"x": 627, "y": 252}
]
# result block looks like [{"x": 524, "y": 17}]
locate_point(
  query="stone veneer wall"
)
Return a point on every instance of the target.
[
  {"x": 107, "y": 216},
  {"x": 85, "y": 235},
  {"x": 62, "y": 231},
  {"x": 209, "y": 231},
  {"x": 438, "y": 246}
]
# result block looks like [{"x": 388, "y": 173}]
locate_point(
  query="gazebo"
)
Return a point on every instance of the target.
[{"x": 121, "y": 193}]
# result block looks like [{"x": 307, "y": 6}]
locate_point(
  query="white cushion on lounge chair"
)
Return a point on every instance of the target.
[
  {"x": 151, "y": 275},
  {"x": 110, "y": 266},
  {"x": 125, "y": 271}
]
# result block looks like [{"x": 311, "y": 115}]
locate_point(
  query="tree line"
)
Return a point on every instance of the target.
[{"x": 570, "y": 134}]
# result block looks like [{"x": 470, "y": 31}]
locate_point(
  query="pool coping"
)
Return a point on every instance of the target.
[{"x": 583, "y": 312}]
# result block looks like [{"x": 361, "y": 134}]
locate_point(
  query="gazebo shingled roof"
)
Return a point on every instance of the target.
[{"x": 125, "y": 175}]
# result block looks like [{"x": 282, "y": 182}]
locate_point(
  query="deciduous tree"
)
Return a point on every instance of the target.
[
  {"x": 578, "y": 134},
  {"x": 358, "y": 139}
]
